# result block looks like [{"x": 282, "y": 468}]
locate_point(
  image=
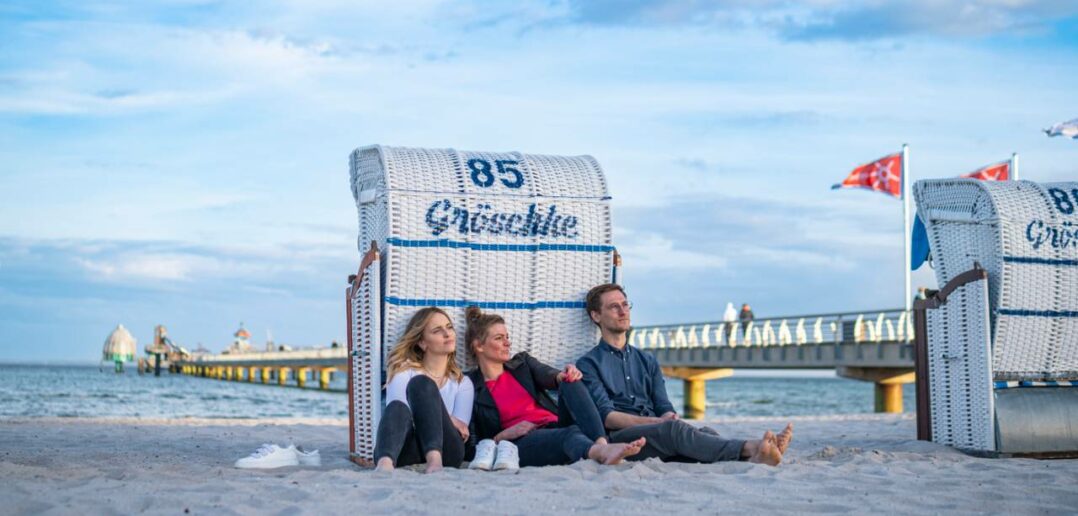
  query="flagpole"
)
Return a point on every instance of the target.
[
  {"x": 906, "y": 230},
  {"x": 1014, "y": 166}
]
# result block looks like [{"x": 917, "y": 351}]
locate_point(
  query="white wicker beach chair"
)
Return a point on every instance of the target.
[
  {"x": 1001, "y": 337},
  {"x": 522, "y": 235}
]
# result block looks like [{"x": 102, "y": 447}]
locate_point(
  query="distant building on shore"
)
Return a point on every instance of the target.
[
  {"x": 241, "y": 343},
  {"x": 120, "y": 347}
]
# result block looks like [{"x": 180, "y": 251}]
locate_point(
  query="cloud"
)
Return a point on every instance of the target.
[{"x": 825, "y": 19}]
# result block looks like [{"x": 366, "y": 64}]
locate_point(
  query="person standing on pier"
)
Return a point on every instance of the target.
[
  {"x": 745, "y": 316},
  {"x": 428, "y": 398},
  {"x": 628, "y": 389}
]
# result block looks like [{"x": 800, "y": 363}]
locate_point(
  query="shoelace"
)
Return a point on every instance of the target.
[
  {"x": 266, "y": 449},
  {"x": 508, "y": 451}
]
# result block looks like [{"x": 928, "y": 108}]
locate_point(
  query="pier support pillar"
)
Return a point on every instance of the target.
[
  {"x": 266, "y": 374},
  {"x": 324, "y": 376},
  {"x": 888, "y": 388},
  {"x": 301, "y": 376},
  {"x": 219, "y": 372},
  {"x": 282, "y": 376},
  {"x": 228, "y": 373},
  {"x": 696, "y": 386},
  {"x": 251, "y": 376}
]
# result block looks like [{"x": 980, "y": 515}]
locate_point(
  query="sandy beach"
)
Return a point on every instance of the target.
[{"x": 838, "y": 464}]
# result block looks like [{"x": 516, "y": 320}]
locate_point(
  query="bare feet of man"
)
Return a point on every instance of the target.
[
  {"x": 384, "y": 464},
  {"x": 783, "y": 439},
  {"x": 767, "y": 452},
  {"x": 614, "y": 453}
]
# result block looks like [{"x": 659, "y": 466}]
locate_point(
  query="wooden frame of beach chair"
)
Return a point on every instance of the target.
[
  {"x": 518, "y": 234},
  {"x": 997, "y": 347}
]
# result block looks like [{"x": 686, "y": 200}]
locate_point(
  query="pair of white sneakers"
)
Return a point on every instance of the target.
[
  {"x": 272, "y": 456},
  {"x": 496, "y": 457}
]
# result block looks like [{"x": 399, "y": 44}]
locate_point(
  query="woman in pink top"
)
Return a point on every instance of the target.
[{"x": 511, "y": 402}]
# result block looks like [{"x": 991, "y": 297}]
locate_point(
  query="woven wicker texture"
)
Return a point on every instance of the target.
[
  {"x": 521, "y": 235},
  {"x": 960, "y": 382},
  {"x": 1025, "y": 235},
  {"x": 365, "y": 355}
]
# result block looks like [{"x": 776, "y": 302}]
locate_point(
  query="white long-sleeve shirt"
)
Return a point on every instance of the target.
[{"x": 457, "y": 396}]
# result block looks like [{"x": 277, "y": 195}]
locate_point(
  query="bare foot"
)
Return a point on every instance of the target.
[
  {"x": 384, "y": 464},
  {"x": 611, "y": 454},
  {"x": 767, "y": 452},
  {"x": 434, "y": 462},
  {"x": 783, "y": 439}
]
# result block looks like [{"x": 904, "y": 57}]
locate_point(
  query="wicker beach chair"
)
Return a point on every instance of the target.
[
  {"x": 998, "y": 344},
  {"x": 518, "y": 234}
]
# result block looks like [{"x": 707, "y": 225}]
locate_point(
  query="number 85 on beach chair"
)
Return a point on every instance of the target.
[
  {"x": 997, "y": 346},
  {"x": 522, "y": 235}
]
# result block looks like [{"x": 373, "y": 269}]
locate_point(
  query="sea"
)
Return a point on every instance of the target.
[{"x": 90, "y": 391}]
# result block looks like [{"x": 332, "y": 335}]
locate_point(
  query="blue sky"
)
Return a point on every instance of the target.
[{"x": 185, "y": 162}]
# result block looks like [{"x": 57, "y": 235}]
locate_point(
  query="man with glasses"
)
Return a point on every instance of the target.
[{"x": 630, "y": 393}]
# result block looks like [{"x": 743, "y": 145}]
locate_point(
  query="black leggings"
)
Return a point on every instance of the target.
[{"x": 407, "y": 435}]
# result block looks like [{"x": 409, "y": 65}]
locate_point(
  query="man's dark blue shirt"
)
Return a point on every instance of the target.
[{"x": 624, "y": 380}]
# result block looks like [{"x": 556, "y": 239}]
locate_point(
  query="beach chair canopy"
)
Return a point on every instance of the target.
[{"x": 1025, "y": 235}]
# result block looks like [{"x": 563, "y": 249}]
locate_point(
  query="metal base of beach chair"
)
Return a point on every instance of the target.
[{"x": 1037, "y": 421}]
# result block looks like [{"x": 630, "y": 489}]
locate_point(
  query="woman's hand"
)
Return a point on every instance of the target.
[
  {"x": 515, "y": 432},
  {"x": 570, "y": 374},
  {"x": 461, "y": 427}
]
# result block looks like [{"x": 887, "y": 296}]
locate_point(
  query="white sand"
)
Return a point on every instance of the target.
[{"x": 857, "y": 464}]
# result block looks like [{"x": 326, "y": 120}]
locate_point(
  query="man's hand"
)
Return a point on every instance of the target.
[
  {"x": 461, "y": 427},
  {"x": 669, "y": 416},
  {"x": 570, "y": 374},
  {"x": 515, "y": 432}
]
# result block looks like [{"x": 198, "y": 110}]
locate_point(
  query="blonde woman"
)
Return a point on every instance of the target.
[{"x": 428, "y": 399}]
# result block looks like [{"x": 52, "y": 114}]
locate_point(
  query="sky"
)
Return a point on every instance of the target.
[{"x": 186, "y": 162}]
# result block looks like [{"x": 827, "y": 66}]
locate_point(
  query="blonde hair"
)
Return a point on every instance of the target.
[
  {"x": 408, "y": 355},
  {"x": 479, "y": 324}
]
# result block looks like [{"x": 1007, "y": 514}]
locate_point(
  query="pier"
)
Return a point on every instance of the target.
[
  {"x": 280, "y": 367},
  {"x": 872, "y": 346}
]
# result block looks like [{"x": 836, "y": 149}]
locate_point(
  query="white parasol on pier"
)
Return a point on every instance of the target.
[{"x": 120, "y": 346}]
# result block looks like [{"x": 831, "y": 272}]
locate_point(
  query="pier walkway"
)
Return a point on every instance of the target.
[{"x": 874, "y": 346}]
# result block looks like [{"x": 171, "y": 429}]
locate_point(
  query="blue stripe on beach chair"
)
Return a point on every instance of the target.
[
  {"x": 1039, "y": 261},
  {"x": 1038, "y": 313},
  {"x": 456, "y": 244},
  {"x": 1047, "y": 383},
  {"x": 489, "y": 305}
]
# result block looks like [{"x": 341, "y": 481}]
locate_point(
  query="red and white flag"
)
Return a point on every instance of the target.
[
  {"x": 883, "y": 175},
  {"x": 999, "y": 172}
]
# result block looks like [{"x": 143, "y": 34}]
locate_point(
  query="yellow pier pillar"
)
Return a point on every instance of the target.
[
  {"x": 251, "y": 374},
  {"x": 324, "y": 376},
  {"x": 282, "y": 375},
  {"x": 219, "y": 372},
  {"x": 888, "y": 380},
  {"x": 228, "y": 373},
  {"x": 265, "y": 374},
  {"x": 301, "y": 376},
  {"x": 696, "y": 386}
]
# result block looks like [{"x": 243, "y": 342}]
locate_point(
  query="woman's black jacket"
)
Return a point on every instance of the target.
[{"x": 536, "y": 378}]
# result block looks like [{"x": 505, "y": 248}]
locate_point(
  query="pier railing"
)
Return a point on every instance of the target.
[{"x": 842, "y": 328}]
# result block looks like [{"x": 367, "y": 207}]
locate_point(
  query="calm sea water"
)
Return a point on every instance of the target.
[{"x": 86, "y": 391}]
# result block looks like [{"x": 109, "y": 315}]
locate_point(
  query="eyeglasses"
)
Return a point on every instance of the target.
[{"x": 621, "y": 307}]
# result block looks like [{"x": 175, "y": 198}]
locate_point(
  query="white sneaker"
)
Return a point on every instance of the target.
[
  {"x": 307, "y": 458},
  {"x": 484, "y": 455},
  {"x": 508, "y": 458},
  {"x": 269, "y": 456}
]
